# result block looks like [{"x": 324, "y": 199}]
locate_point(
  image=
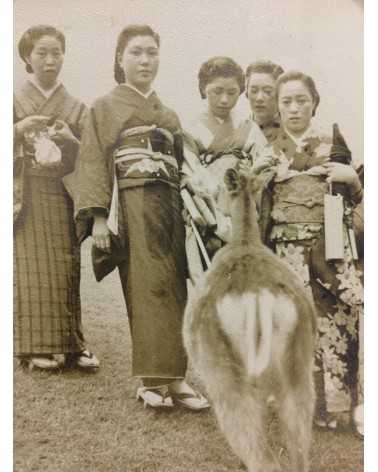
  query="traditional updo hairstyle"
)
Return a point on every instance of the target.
[
  {"x": 307, "y": 81},
  {"x": 263, "y": 67},
  {"x": 32, "y": 35},
  {"x": 219, "y": 67},
  {"x": 124, "y": 37}
]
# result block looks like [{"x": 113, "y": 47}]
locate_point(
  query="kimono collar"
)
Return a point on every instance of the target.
[
  {"x": 275, "y": 123},
  {"x": 229, "y": 121},
  {"x": 144, "y": 95},
  {"x": 300, "y": 141},
  {"x": 45, "y": 93}
]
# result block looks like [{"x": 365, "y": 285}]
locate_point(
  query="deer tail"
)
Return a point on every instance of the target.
[{"x": 259, "y": 331}]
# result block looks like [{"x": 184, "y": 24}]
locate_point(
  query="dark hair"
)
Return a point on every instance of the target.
[
  {"x": 305, "y": 79},
  {"x": 263, "y": 67},
  {"x": 124, "y": 37},
  {"x": 32, "y": 35},
  {"x": 219, "y": 67}
]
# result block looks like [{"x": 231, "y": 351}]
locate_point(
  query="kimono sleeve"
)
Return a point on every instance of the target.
[{"x": 93, "y": 174}]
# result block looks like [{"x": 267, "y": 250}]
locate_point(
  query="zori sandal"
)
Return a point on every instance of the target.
[
  {"x": 87, "y": 360},
  {"x": 43, "y": 362},
  {"x": 154, "y": 397},
  {"x": 193, "y": 401}
]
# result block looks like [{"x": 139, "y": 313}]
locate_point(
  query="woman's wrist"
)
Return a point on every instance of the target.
[
  {"x": 99, "y": 214},
  {"x": 356, "y": 190},
  {"x": 355, "y": 185}
]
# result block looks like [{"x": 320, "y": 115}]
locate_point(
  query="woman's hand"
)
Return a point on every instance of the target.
[
  {"x": 101, "y": 233},
  {"x": 342, "y": 173},
  {"x": 62, "y": 133},
  {"x": 30, "y": 123}
]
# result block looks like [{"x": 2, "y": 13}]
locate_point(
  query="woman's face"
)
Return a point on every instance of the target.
[
  {"x": 295, "y": 104},
  {"x": 140, "y": 62},
  {"x": 261, "y": 93},
  {"x": 222, "y": 95},
  {"x": 46, "y": 60}
]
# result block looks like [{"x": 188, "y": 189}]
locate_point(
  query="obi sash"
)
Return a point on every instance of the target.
[
  {"x": 299, "y": 199},
  {"x": 144, "y": 154}
]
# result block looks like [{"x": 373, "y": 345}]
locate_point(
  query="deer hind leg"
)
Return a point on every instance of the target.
[
  {"x": 296, "y": 416},
  {"x": 242, "y": 419}
]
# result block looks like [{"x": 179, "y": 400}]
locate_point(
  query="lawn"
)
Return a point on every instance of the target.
[{"x": 79, "y": 422}]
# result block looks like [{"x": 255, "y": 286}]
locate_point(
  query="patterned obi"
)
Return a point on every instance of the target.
[
  {"x": 299, "y": 199},
  {"x": 145, "y": 154}
]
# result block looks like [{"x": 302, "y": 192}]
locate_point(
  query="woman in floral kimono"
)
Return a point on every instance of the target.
[
  {"x": 309, "y": 165},
  {"x": 47, "y": 316},
  {"x": 261, "y": 77},
  {"x": 128, "y": 198},
  {"x": 216, "y": 142}
]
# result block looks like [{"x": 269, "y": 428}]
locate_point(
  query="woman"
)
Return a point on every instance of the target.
[
  {"x": 309, "y": 165},
  {"x": 47, "y": 317},
  {"x": 217, "y": 141},
  {"x": 261, "y": 77},
  {"x": 128, "y": 191}
]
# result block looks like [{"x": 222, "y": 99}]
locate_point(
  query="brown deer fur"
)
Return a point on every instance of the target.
[{"x": 249, "y": 331}]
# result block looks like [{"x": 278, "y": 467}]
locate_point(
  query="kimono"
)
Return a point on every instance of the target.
[
  {"x": 297, "y": 236},
  {"x": 271, "y": 130},
  {"x": 128, "y": 170},
  {"x": 47, "y": 314},
  {"x": 212, "y": 146}
]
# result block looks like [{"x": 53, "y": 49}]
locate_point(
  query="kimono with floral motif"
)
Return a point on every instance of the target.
[{"x": 296, "y": 234}]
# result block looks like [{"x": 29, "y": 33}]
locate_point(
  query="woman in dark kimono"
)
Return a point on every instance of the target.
[
  {"x": 261, "y": 77},
  {"x": 314, "y": 178},
  {"x": 47, "y": 316},
  {"x": 215, "y": 142},
  {"x": 128, "y": 191}
]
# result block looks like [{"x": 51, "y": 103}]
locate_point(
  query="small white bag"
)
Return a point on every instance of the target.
[{"x": 46, "y": 151}]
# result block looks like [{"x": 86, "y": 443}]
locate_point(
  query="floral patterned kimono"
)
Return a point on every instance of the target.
[
  {"x": 213, "y": 145},
  {"x": 297, "y": 236},
  {"x": 47, "y": 315}
]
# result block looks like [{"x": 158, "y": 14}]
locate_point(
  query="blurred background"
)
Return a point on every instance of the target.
[{"x": 323, "y": 38}]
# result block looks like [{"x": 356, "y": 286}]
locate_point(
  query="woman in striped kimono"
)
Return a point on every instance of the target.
[
  {"x": 47, "y": 125},
  {"x": 128, "y": 199}
]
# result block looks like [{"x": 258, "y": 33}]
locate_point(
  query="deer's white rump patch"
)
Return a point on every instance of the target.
[{"x": 249, "y": 319}]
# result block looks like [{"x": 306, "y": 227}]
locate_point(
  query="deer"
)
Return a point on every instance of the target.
[{"x": 249, "y": 332}]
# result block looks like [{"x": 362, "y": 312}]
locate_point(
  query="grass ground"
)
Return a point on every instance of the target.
[{"x": 77, "y": 422}]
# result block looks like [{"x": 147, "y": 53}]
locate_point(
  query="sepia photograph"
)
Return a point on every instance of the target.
[{"x": 188, "y": 236}]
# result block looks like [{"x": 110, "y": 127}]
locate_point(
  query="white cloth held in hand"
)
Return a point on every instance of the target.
[{"x": 46, "y": 151}]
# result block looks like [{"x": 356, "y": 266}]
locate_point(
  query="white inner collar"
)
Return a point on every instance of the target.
[
  {"x": 145, "y": 95},
  {"x": 299, "y": 141},
  {"x": 45, "y": 93}
]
